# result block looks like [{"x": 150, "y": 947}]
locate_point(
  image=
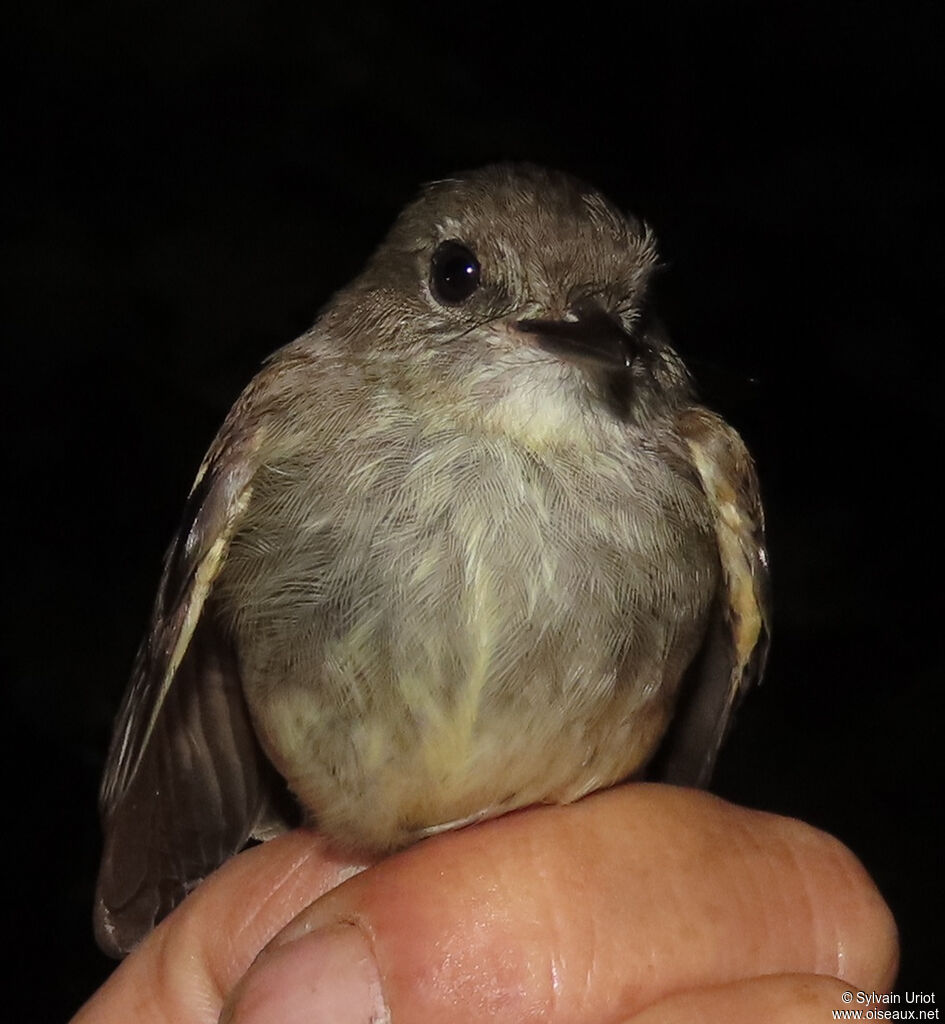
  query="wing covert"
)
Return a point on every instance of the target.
[
  {"x": 735, "y": 650},
  {"x": 186, "y": 783}
]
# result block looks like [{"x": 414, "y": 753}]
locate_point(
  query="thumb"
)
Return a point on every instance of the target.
[
  {"x": 583, "y": 913},
  {"x": 182, "y": 971}
]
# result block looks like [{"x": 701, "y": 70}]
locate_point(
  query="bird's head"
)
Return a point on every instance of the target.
[{"x": 519, "y": 295}]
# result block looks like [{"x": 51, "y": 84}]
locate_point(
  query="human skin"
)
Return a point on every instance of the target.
[{"x": 646, "y": 903}]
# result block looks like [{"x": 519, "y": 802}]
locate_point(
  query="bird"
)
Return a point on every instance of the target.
[{"x": 469, "y": 544}]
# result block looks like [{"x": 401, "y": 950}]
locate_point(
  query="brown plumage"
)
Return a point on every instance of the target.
[{"x": 451, "y": 553}]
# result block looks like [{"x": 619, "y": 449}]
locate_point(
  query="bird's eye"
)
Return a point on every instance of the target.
[{"x": 454, "y": 273}]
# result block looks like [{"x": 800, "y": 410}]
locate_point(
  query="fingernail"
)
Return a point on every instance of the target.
[{"x": 328, "y": 975}]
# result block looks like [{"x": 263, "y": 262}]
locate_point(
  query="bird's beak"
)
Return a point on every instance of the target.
[{"x": 593, "y": 338}]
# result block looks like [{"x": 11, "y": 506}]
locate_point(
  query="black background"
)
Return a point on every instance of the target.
[{"x": 187, "y": 184}]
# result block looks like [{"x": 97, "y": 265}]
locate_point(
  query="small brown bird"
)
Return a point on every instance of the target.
[{"x": 466, "y": 545}]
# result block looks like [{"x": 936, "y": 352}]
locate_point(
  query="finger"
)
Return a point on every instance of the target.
[
  {"x": 181, "y": 973},
  {"x": 776, "y": 999},
  {"x": 581, "y": 913}
]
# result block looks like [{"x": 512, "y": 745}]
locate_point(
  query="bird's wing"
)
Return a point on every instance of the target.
[
  {"x": 186, "y": 784},
  {"x": 734, "y": 653}
]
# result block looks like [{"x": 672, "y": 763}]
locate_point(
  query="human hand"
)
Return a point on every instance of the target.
[{"x": 644, "y": 902}]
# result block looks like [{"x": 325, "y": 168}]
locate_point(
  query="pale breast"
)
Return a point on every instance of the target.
[{"x": 441, "y": 626}]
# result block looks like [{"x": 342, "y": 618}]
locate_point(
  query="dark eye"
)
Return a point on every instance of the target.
[{"x": 454, "y": 273}]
